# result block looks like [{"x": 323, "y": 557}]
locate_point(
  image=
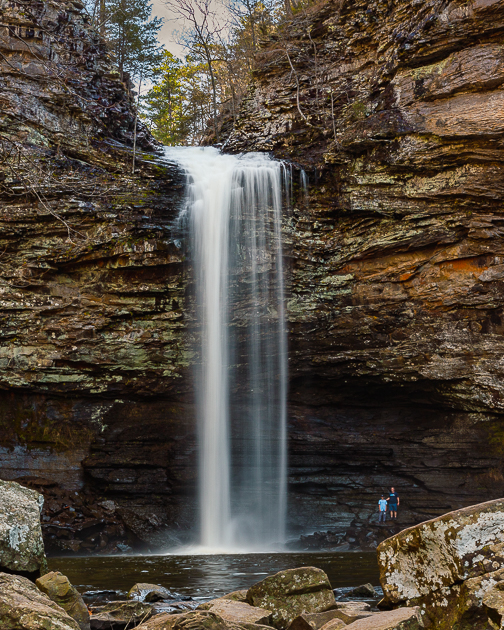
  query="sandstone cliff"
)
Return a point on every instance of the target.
[
  {"x": 396, "y": 110},
  {"x": 92, "y": 292}
]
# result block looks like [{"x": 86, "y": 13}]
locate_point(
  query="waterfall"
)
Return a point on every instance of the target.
[{"x": 233, "y": 211}]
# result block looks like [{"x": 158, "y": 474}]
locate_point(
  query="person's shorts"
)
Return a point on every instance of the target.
[{"x": 392, "y": 507}]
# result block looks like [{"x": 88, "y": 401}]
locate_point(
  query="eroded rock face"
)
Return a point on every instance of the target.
[
  {"x": 94, "y": 352},
  {"x": 21, "y": 545}
]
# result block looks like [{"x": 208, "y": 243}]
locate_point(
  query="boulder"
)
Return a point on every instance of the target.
[
  {"x": 364, "y": 590},
  {"x": 143, "y": 592},
  {"x": 24, "y": 607},
  {"x": 314, "y": 621},
  {"x": 240, "y": 612},
  {"x": 21, "y": 544},
  {"x": 444, "y": 551},
  {"x": 400, "y": 619},
  {"x": 350, "y": 614},
  {"x": 477, "y": 603},
  {"x": 236, "y": 596},
  {"x": 58, "y": 588},
  {"x": 291, "y": 593},
  {"x": 452, "y": 566},
  {"x": 118, "y": 615}
]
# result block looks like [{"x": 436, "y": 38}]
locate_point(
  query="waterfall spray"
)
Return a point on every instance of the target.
[{"x": 233, "y": 209}]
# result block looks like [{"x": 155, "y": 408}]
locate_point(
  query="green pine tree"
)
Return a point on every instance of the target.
[
  {"x": 178, "y": 106},
  {"x": 132, "y": 36}
]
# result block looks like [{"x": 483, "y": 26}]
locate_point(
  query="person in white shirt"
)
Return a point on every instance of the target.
[{"x": 382, "y": 507}]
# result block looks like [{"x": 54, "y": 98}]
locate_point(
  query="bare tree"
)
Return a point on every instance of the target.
[{"x": 201, "y": 35}]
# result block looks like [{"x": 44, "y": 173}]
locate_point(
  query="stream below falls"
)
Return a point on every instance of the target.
[{"x": 209, "y": 576}]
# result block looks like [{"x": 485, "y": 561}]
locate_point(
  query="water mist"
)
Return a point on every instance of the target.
[{"x": 233, "y": 211}]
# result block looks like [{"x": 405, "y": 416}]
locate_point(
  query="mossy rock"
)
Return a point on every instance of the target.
[
  {"x": 291, "y": 593},
  {"x": 21, "y": 545},
  {"x": 24, "y": 607},
  {"x": 59, "y": 589}
]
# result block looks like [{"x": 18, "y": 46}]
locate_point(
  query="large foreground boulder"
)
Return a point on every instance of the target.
[
  {"x": 59, "y": 589},
  {"x": 21, "y": 544},
  {"x": 452, "y": 567},
  {"x": 24, "y": 607},
  {"x": 291, "y": 593}
]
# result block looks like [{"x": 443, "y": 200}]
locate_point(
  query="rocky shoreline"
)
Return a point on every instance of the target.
[{"x": 442, "y": 574}]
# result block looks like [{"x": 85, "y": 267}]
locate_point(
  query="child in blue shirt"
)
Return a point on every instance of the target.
[{"x": 382, "y": 506}]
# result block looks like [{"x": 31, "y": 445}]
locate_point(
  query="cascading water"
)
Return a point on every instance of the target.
[{"x": 233, "y": 210}]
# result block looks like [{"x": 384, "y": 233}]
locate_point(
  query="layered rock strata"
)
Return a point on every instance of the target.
[
  {"x": 93, "y": 350},
  {"x": 394, "y": 108},
  {"x": 394, "y": 272}
]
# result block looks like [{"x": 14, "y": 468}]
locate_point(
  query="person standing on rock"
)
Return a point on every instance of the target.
[
  {"x": 393, "y": 503},
  {"x": 382, "y": 506}
]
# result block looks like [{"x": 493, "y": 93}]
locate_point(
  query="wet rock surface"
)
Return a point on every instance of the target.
[{"x": 144, "y": 592}]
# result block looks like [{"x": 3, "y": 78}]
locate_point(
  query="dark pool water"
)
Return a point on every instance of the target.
[{"x": 208, "y": 576}]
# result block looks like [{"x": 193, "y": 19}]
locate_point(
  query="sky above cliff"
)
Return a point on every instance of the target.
[
  {"x": 171, "y": 26},
  {"x": 167, "y": 34}
]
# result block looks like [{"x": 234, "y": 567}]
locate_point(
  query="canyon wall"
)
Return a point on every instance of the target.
[
  {"x": 395, "y": 272},
  {"x": 94, "y": 404},
  {"x": 396, "y": 110}
]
